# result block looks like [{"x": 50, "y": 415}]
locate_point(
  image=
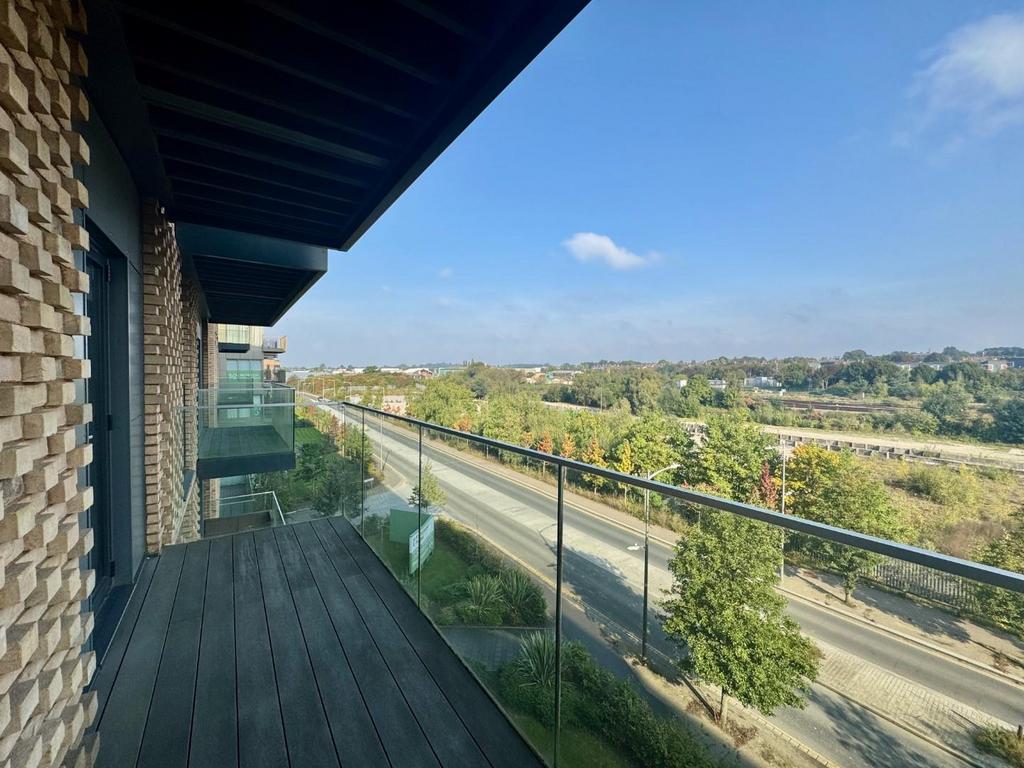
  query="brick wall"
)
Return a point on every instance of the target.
[
  {"x": 170, "y": 314},
  {"x": 42, "y": 585}
]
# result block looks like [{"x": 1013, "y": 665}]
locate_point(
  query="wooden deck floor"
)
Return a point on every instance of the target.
[
  {"x": 288, "y": 646},
  {"x": 217, "y": 442}
]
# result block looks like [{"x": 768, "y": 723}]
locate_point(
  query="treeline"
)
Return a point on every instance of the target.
[{"x": 961, "y": 400}]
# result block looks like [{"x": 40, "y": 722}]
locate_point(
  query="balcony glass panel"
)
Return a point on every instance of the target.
[
  {"x": 245, "y": 427},
  {"x": 690, "y": 625}
]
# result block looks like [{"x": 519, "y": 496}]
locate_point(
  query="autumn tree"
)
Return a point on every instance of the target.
[
  {"x": 546, "y": 444},
  {"x": 728, "y": 619},
  {"x": 568, "y": 447}
]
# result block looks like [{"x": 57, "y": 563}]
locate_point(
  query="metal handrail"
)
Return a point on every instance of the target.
[{"x": 968, "y": 569}]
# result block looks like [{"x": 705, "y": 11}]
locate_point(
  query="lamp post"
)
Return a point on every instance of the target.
[{"x": 647, "y": 552}]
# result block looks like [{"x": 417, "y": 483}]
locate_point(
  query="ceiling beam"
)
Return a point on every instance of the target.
[
  {"x": 392, "y": 105},
  {"x": 207, "y": 169},
  {"x": 376, "y": 37},
  {"x": 192, "y": 138},
  {"x": 445, "y": 20},
  {"x": 184, "y": 105},
  {"x": 266, "y": 211},
  {"x": 270, "y": 93},
  {"x": 180, "y": 183},
  {"x": 202, "y": 214}
]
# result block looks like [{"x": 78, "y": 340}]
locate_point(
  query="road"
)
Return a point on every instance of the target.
[{"x": 603, "y": 568}]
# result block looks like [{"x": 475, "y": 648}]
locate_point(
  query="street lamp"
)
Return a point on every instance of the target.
[{"x": 647, "y": 551}]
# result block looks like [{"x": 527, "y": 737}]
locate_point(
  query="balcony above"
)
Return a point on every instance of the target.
[
  {"x": 275, "y": 345},
  {"x": 245, "y": 427},
  {"x": 288, "y": 646}
]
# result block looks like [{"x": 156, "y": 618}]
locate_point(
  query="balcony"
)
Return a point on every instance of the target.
[
  {"x": 244, "y": 427},
  {"x": 291, "y": 646},
  {"x": 275, "y": 345}
]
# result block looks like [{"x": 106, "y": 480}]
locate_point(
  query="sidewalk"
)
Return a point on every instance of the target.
[
  {"x": 997, "y": 651},
  {"x": 940, "y": 719}
]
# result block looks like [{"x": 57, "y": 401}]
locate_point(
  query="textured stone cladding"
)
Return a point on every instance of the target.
[
  {"x": 43, "y": 712},
  {"x": 170, "y": 318}
]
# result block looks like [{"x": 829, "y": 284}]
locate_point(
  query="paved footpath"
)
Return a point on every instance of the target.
[{"x": 921, "y": 710}]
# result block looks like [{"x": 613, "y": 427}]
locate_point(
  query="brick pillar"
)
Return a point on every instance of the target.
[
  {"x": 168, "y": 351},
  {"x": 43, "y": 713}
]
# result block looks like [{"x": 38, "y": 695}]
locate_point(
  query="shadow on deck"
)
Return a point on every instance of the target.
[{"x": 288, "y": 646}]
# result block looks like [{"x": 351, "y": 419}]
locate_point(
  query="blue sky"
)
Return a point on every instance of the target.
[{"x": 687, "y": 180}]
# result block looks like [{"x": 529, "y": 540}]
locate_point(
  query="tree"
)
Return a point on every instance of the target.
[
  {"x": 653, "y": 442},
  {"x": 1004, "y": 606},
  {"x": 730, "y": 622},
  {"x": 428, "y": 492},
  {"x": 855, "y": 354},
  {"x": 731, "y": 458},
  {"x": 833, "y": 488},
  {"x": 1009, "y": 421},
  {"x": 443, "y": 401},
  {"x": 948, "y": 404},
  {"x": 546, "y": 444},
  {"x": 568, "y": 447},
  {"x": 699, "y": 390}
]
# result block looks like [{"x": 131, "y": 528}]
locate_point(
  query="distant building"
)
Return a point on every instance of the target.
[
  {"x": 418, "y": 373},
  {"x": 447, "y": 370},
  {"x": 682, "y": 382},
  {"x": 1015, "y": 362},
  {"x": 993, "y": 366},
  {"x": 718, "y": 383},
  {"x": 762, "y": 382}
]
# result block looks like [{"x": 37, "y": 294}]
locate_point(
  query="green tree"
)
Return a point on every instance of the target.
[
  {"x": 728, "y": 619},
  {"x": 428, "y": 492},
  {"x": 833, "y": 488},
  {"x": 443, "y": 401},
  {"x": 731, "y": 458},
  {"x": 1009, "y": 421},
  {"x": 699, "y": 390},
  {"x": 948, "y": 404},
  {"x": 653, "y": 442},
  {"x": 1004, "y": 606}
]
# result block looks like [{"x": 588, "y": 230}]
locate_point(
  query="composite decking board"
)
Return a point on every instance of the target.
[
  {"x": 400, "y": 732},
  {"x": 217, "y": 442},
  {"x": 352, "y": 728},
  {"x": 306, "y": 730},
  {"x": 261, "y": 740},
  {"x": 215, "y": 718},
  {"x": 201, "y": 678},
  {"x": 128, "y": 706},
  {"x": 502, "y": 745},
  {"x": 446, "y": 732},
  {"x": 165, "y": 743},
  {"x": 103, "y": 680}
]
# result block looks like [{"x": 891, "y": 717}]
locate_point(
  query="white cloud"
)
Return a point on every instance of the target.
[
  {"x": 588, "y": 246},
  {"x": 445, "y": 272},
  {"x": 973, "y": 85}
]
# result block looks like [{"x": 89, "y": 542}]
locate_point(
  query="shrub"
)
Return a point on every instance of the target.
[
  {"x": 943, "y": 485},
  {"x": 1001, "y": 743},
  {"x": 524, "y": 601},
  {"x": 483, "y": 604},
  {"x": 595, "y": 700}
]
